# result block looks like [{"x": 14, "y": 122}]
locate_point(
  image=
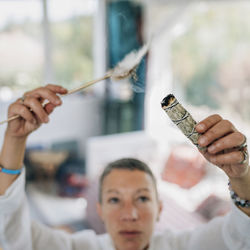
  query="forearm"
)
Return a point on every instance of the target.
[
  {"x": 227, "y": 149},
  {"x": 32, "y": 114},
  {"x": 15, "y": 233},
  {"x": 241, "y": 186},
  {"x": 11, "y": 157}
]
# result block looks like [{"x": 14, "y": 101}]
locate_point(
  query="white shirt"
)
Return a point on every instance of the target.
[{"x": 18, "y": 232}]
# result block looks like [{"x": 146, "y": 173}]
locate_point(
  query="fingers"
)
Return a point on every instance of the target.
[
  {"x": 207, "y": 123},
  {"x": 31, "y": 107},
  {"x": 49, "y": 108},
  {"x": 35, "y": 98},
  {"x": 37, "y": 108},
  {"x": 22, "y": 111},
  {"x": 231, "y": 158},
  {"x": 54, "y": 88},
  {"x": 47, "y": 93},
  {"x": 57, "y": 89},
  {"x": 226, "y": 147},
  {"x": 214, "y": 129},
  {"x": 229, "y": 141}
]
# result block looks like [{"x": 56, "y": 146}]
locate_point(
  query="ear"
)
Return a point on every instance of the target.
[
  {"x": 160, "y": 206},
  {"x": 99, "y": 210}
]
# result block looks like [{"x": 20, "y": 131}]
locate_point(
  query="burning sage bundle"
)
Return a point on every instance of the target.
[{"x": 182, "y": 118}]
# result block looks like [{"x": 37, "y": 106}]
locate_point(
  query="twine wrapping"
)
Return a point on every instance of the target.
[{"x": 182, "y": 118}]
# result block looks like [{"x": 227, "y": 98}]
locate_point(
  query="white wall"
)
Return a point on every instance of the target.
[{"x": 101, "y": 150}]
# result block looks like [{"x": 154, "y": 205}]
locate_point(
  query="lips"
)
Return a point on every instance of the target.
[{"x": 130, "y": 233}]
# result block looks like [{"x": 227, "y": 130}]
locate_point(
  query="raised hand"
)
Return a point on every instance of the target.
[
  {"x": 31, "y": 110},
  {"x": 226, "y": 147},
  {"x": 32, "y": 113}
]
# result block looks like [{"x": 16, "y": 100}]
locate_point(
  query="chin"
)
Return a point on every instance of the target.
[{"x": 132, "y": 246}]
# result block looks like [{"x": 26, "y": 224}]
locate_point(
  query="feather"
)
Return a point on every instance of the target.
[{"x": 128, "y": 65}]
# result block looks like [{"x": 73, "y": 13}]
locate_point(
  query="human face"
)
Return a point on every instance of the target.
[{"x": 129, "y": 208}]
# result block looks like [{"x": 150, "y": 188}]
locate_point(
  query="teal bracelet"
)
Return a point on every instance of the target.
[{"x": 10, "y": 171}]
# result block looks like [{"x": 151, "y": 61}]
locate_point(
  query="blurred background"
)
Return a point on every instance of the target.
[{"x": 200, "y": 52}]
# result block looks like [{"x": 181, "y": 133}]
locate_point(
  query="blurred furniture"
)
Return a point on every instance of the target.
[
  {"x": 185, "y": 167},
  {"x": 71, "y": 174},
  {"x": 56, "y": 194},
  {"x": 46, "y": 162},
  {"x": 213, "y": 206},
  {"x": 72, "y": 182}
]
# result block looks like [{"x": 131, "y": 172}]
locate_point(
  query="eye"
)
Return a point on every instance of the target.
[
  {"x": 143, "y": 199},
  {"x": 113, "y": 200}
]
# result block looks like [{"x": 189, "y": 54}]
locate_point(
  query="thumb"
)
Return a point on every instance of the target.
[{"x": 49, "y": 108}]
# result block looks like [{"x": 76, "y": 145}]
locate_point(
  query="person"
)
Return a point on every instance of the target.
[{"x": 128, "y": 201}]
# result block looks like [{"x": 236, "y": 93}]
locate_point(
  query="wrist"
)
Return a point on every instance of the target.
[
  {"x": 10, "y": 171},
  {"x": 241, "y": 181},
  {"x": 12, "y": 153},
  {"x": 240, "y": 194},
  {"x": 238, "y": 201},
  {"x": 241, "y": 190},
  {"x": 17, "y": 139}
]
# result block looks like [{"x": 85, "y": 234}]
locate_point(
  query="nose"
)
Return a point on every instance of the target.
[{"x": 129, "y": 212}]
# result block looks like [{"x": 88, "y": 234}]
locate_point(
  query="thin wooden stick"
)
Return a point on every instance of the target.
[
  {"x": 10, "y": 119},
  {"x": 85, "y": 85}
]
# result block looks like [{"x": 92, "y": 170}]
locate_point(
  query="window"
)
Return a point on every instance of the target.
[
  {"x": 35, "y": 50},
  {"x": 210, "y": 57},
  {"x": 202, "y": 56}
]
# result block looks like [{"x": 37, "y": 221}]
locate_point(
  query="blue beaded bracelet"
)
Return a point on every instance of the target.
[
  {"x": 10, "y": 171},
  {"x": 236, "y": 199}
]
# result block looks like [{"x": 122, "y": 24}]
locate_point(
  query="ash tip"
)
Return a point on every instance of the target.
[{"x": 167, "y": 100}]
